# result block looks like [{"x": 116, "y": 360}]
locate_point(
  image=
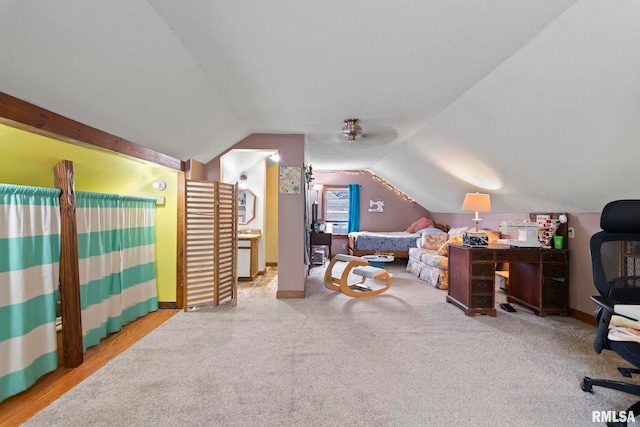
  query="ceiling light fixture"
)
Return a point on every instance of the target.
[
  {"x": 243, "y": 185},
  {"x": 352, "y": 129}
]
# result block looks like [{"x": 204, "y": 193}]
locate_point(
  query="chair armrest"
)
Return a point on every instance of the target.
[
  {"x": 603, "y": 316},
  {"x": 604, "y": 302},
  {"x": 632, "y": 311}
]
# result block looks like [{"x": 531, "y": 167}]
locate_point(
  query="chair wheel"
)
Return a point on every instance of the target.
[{"x": 586, "y": 385}]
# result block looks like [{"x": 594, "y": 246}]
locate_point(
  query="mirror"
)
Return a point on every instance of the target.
[{"x": 246, "y": 206}]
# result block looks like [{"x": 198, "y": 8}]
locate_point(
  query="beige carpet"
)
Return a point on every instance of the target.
[{"x": 403, "y": 358}]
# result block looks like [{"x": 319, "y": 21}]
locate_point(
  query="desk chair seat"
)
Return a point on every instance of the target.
[{"x": 336, "y": 276}]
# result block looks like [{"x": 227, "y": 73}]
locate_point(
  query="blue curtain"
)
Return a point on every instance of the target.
[
  {"x": 29, "y": 274},
  {"x": 354, "y": 207}
]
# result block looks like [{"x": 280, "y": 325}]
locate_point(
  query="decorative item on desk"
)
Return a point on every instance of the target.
[
  {"x": 548, "y": 228},
  {"x": 476, "y": 202},
  {"x": 558, "y": 242},
  {"x": 475, "y": 238}
]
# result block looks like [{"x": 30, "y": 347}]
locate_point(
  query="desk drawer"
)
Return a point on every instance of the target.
[
  {"x": 554, "y": 256},
  {"x": 554, "y": 270},
  {"x": 480, "y": 286},
  {"x": 482, "y": 301},
  {"x": 554, "y": 294},
  {"x": 480, "y": 254},
  {"x": 482, "y": 269},
  {"x": 528, "y": 256}
]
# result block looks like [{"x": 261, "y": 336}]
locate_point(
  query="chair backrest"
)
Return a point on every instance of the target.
[{"x": 615, "y": 251}]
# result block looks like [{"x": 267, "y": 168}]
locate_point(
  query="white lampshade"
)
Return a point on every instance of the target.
[{"x": 476, "y": 202}]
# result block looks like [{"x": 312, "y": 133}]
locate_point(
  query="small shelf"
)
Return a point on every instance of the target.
[{"x": 319, "y": 248}]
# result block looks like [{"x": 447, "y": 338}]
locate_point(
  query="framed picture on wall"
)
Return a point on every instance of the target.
[{"x": 290, "y": 179}]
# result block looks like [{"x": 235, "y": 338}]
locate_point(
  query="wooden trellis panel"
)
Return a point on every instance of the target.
[
  {"x": 227, "y": 242},
  {"x": 210, "y": 243}
]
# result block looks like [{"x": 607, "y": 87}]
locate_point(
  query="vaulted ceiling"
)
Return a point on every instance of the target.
[{"x": 535, "y": 102}]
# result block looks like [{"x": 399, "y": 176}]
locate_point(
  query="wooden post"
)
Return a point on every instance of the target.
[
  {"x": 69, "y": 273},
  {"x": 180, "y": 270}
]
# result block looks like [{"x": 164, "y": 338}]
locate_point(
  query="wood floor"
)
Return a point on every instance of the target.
[
  {"x": 19, "y": 408},
  {"x": 264, "y": 285}
]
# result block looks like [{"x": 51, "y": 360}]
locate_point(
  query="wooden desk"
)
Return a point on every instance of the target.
[{"x": 538, "y": 278}]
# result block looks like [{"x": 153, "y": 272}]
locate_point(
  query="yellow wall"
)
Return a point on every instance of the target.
[
  {"x": 29, "y": 159},
  {"x": 271, "y": 216}
]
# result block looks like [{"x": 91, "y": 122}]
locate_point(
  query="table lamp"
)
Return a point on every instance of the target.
[
  {"x": 314, "y": 208},
  {"x": 476, "y": 202}
]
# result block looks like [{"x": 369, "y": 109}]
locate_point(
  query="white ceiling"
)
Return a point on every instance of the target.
[{"x": 535, "y": 102}]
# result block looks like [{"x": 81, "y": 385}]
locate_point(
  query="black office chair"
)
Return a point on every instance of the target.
[{"x": 615, "y": 259}]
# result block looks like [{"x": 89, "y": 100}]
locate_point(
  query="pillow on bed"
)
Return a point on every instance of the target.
[
  {"x": 433, "y": 240},
  {"x": 429, "y": 230},
  {"x": 419, "y": 225}
]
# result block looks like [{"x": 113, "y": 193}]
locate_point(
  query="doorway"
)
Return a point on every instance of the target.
[{"x": 256, "y": 173}]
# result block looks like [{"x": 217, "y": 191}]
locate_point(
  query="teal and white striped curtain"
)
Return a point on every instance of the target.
[
  {"x": 116, "y": 252},
  {"x": 29, "y": 276}
]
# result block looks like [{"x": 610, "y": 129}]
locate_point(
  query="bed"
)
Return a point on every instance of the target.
[{"x": 390, "y": 242}]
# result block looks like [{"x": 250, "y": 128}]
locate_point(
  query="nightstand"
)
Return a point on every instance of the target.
[{"x": 318, "y": 241}]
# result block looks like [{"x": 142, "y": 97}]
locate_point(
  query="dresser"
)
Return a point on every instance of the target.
[{"x": 538, "y": 278}]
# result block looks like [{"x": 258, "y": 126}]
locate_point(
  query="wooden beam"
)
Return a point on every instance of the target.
[
  {"x": 23, "y": 115},
  {"x": 69, "y": 272},
  {"x": 180, "y": 270}
]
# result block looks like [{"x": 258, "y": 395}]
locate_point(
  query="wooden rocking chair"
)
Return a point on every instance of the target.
[{"x": 345, "y": 265}]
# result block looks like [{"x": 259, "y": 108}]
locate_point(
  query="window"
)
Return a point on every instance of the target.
[{"x": 336, "y": 208}]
